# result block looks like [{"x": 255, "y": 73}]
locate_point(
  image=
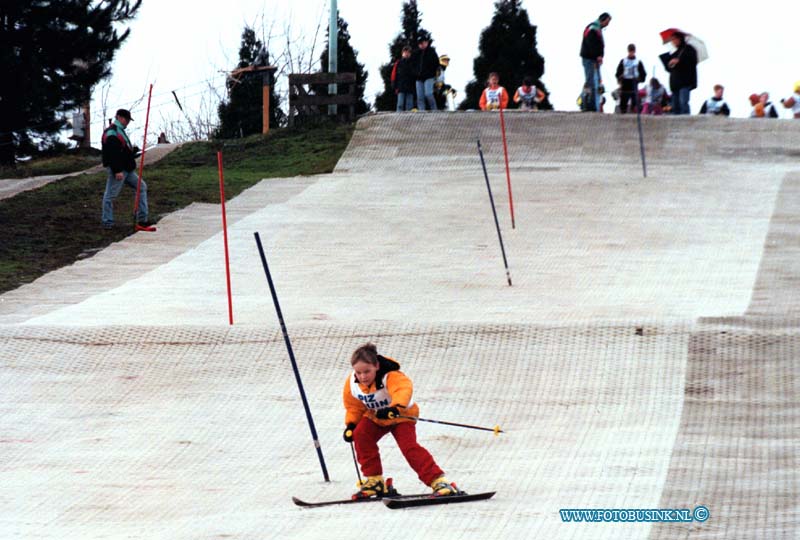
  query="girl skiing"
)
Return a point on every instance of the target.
[{"x": 378, "y": 400}]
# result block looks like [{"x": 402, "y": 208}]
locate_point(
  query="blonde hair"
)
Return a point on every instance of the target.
[{"x": 367, "y": 353}]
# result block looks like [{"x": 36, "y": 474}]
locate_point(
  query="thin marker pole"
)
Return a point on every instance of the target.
[
  {"x": 508, "y": 171},
  {"x": 141, "y": 161},
  {"x": 225, "y": 236},
  {"x": 294, "y": 362},
  {"x": 639, "y": 122},
  {"x": 494, "y": 212}
]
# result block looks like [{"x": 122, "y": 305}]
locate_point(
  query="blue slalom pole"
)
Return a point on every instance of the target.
[
  {"x": 294, "y": 362},
  {"x": 637, "y": 104},
  {"x": 494, "y": 211}
]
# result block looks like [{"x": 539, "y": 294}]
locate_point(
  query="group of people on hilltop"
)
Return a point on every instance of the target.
[
  {"x": 420, "y": 72},
  {"x": 762, "y": 107},
  {"x": 681, "y": 64}
]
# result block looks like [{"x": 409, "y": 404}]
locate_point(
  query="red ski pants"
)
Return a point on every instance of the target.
[{"x": 366, "y": 437}]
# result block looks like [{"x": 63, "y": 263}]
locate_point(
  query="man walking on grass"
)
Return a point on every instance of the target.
[{"x": 120, "y": 158}]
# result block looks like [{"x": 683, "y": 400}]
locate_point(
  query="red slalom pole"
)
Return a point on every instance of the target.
[
  {"x": 508, "y": 172},
  {"x": 225, "y": 236},
  {"x": 136, "y": 225}
]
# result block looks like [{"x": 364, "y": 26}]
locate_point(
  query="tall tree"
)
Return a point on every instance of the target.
[
  {"x": 241, "y": 115},
  {"x": 411, "y": 28},
  {"x": 55, "y": 51},
  {"x": 346, "y": 62},
  {"x": 508, "y": 47}
]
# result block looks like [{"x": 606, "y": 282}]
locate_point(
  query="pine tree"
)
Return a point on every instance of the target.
[
  {"x": 347, "y": 62},
  {"x": 411, "y": 28},
  {"x": 54, "y": 51},
  {"x": 241, "y": 115},
  {"x": 508, "y": 47}
]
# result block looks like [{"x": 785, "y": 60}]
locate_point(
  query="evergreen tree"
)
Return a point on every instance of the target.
[
  {"x": 508, "y": 47},
  {"x": 53, "y": 52},
  {"x": 411, "y": 28},
  {"x": 242, "y": 114},
  {"x": 347, "y": 62}
]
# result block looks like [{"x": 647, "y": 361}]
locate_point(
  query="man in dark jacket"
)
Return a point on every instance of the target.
[
  {"x": 119, "y": 156},
  {"x": 404, "y": 81},
  {"x": 426, "y": 61},
  {"x": 682, "y": 67},
  {"x": 592, "y": 52}
]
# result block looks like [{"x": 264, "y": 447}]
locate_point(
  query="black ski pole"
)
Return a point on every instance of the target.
[
  {"x": 495, "y": 429},
  {"x": 494, "y": 212},
  {"x": 355, "y": 462},
  {"x": 639, "y": 122},
  {"x": 294, "y": 362}
]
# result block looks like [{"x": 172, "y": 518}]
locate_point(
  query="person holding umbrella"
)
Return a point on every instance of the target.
[{"x": 682, "y": 67}]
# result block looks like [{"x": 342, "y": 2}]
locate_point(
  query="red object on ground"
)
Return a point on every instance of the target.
[
  {"x": 138, "y": 227},
  {"x": 225, "y": 236},
  {"x": 508, "y": 172},
  {"x": 366, "y": 437}
]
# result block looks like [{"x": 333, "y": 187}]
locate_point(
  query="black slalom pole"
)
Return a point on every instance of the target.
[
  {"x": 494, "y": 211},
  {"x": 294, "y": 362},
  {"x": 637, "y": 103}
]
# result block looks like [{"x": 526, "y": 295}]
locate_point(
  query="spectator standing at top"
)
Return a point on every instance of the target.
[
  {"x": 441, "y": 90},
  {"x": 592, "y": 52},
  {"x": 404, "y": 79},
  {"x": 716, "y": 104},
  {"x": 426, "y": 63},
  {"x": 793, "y": 102},
  {"x": 494, "y": 96},
  {"x": 682, "y": 67},
  {"x": 630, "y": 72}
]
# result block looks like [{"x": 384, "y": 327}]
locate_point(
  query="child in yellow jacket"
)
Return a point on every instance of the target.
[{"x": 378, "y": 399}]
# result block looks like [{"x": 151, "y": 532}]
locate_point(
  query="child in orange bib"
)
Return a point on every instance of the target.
[
  {"x": 378, "y": 400},
  {"x": 494, "y": 96}
]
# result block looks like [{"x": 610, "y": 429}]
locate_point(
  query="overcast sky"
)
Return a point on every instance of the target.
[{"x": 179, "y": 45}]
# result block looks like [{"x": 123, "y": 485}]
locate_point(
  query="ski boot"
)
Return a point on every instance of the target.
[
  {"x": 372, "y": 487},
  {"x": 442, "y": 488}
]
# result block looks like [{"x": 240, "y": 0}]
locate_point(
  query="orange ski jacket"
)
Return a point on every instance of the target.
[{"x": 391, "y": 388}]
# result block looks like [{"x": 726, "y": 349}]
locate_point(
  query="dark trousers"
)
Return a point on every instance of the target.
[{"x": 628, "y": 91}]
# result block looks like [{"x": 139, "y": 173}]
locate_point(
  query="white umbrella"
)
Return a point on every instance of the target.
[{"x": 694, "y": 41}]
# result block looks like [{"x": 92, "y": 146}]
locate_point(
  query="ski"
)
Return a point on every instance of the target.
[
  {"x": 412, "y": 501},
  {"x": 306, "y": 504}
]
